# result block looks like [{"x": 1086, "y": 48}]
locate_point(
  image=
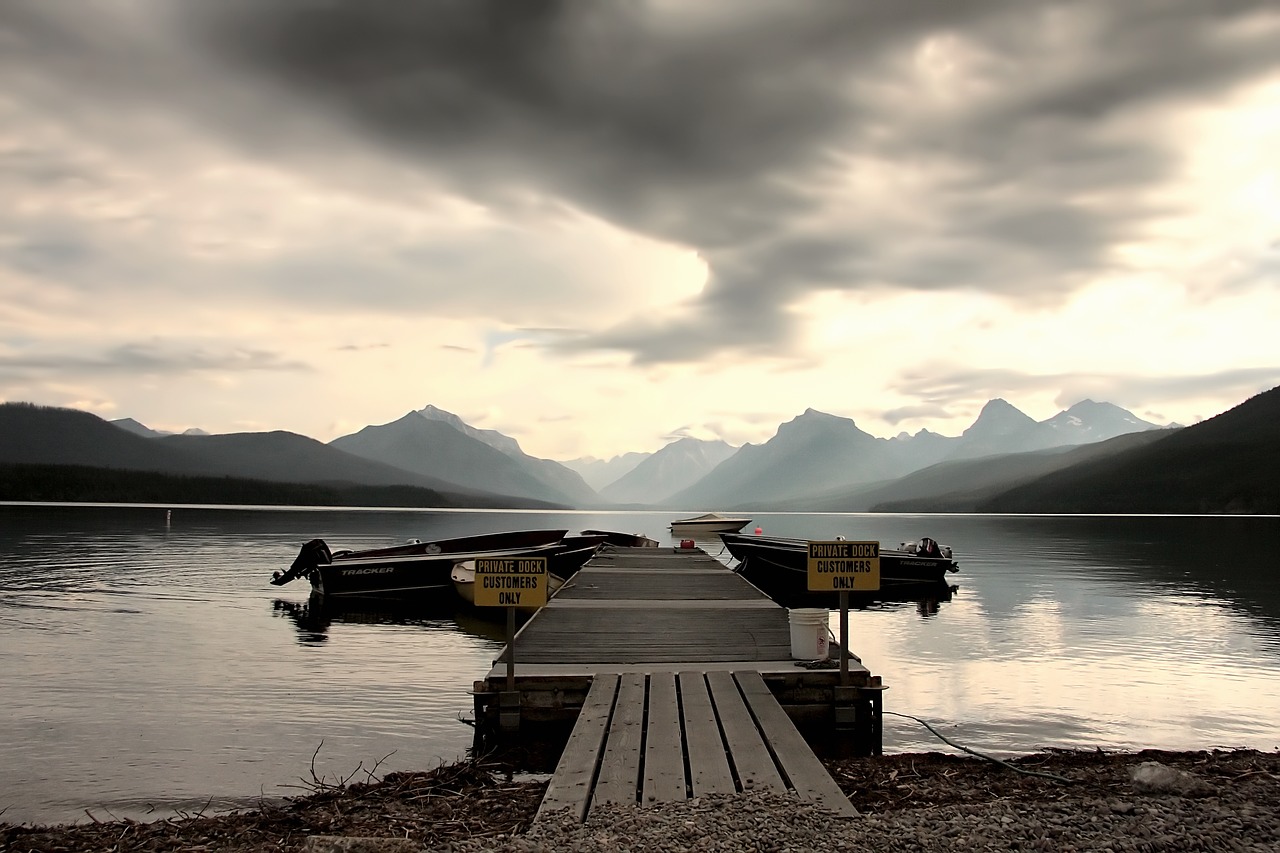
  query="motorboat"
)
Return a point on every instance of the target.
[
  {"x": 563, "y": 562},
  {"x": 623, "y": 540},
  {"x": 414, "y": 568},
  {"x": 779, "y": 567},
  {"x": 710, "y": 523}
]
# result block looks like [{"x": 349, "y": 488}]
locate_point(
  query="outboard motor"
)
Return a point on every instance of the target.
[{"x": 314, "y": 553}]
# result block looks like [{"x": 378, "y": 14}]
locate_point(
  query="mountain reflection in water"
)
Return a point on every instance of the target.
[{"x": 147, "y": 663}]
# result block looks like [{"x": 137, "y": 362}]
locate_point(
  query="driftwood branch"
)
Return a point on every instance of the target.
[{"x": 1055, "y": 777}]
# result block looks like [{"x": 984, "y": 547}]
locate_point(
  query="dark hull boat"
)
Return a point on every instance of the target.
[
  {"x": 413, "y": 569},
  {"x": 779, "y": 567},
  {"x": 623, "y": 540}
]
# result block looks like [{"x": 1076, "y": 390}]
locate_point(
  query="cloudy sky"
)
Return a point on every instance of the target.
[{"x": 599, "y": 226}]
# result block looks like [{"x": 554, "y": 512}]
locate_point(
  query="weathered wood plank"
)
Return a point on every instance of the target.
[
  {"x": 643, "y": 585},
  {"x": 751, "y": 760},
  {"x": 619, "y": 778},
  {"x": 708, "y": 765},
  {"x": 723, "y": 604},
  {"x": 804, "y": 771},
  {"x": 664, "y": 779},
  {"x": 570, "y": 785},
  {"x": 654, "y": 633},
  {"x": 646, "y": 734}
]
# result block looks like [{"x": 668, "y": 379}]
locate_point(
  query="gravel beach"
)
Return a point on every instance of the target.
[{"x": 1216, "y": 800}]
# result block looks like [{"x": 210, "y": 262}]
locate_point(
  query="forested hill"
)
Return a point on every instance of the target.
[
  {"x": 1230, "y": 463},
  {"x": 82, "y": 484},
  {"x": 52, "y": 454}
]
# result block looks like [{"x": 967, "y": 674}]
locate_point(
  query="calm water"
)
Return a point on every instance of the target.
[{"x": 148, "y": 667}]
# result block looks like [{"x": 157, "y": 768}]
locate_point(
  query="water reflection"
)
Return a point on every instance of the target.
[
  {"x": 929, "y": 607},
  {"x": 141, "y": 663},
  {"x": 486, "y": 623},
  {"x": 314, "y": 617},
  {"x": 926, "y": 599}
]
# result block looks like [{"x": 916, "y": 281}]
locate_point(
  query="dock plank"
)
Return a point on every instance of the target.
[
  {"x": 671, "y": 653},
  {"x": 657, "y": 585},
  {"x": 752, "y": 763},
  {"x": 664, "y": 777},
  {"x": 654, "y": 634},
  {"x": 571, "y": 784},
  {"x": 708, "y": 765},
  {"x": 618, "y": 781},
  {"x": 805, "y": 772}
]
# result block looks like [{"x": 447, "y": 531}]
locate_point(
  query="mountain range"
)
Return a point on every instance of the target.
[
  {"x": 40, "y": 436},
  {"x": 672, "y": 469},
  {"x": 1005, "y": 461},
  {"x": 438, "y": 444},
  {"x": 821, "y": 454}
]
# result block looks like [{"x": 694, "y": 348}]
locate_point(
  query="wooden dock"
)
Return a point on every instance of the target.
[
  {"x": 677, "y": 677},
  {"x": 644, "y": 606},
  {"x": 664, "y": 737}
]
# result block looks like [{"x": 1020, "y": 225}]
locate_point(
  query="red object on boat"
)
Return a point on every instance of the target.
[{"x": 687, "y": 543}]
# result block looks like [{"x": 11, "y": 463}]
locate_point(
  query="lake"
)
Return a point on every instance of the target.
[{"x": 148, "y": 668}]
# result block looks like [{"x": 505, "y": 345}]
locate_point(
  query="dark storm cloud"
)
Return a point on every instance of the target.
[
  {"x": 679, "y": 132},
  {"x": 728, "y": 127},
  {"x": 717, "y": 125}
]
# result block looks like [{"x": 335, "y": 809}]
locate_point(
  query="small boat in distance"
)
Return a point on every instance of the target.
[
  {"x": 712, "y": 522},
  {"x": 623, "y": 540},
  {"x": 415, "y": 568}
]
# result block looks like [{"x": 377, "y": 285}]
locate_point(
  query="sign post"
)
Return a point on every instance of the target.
[
  {"x": 511, "y": 582},
  {"x": 843, "y": 566}
]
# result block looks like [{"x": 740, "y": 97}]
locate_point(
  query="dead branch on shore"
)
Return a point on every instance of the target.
[{"x": 1055, "y": 777}]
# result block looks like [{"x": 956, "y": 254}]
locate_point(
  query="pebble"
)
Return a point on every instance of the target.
[{"x": 767, "y": 821}]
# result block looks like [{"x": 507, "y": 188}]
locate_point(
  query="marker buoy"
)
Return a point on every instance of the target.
[{"x": 759, "y": 530}]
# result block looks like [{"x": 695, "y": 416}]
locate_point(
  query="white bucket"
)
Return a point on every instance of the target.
[{"x": 809, "y": 633}]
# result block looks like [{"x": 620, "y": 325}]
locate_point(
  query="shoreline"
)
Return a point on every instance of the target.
[{"x": 910, "y": 801}]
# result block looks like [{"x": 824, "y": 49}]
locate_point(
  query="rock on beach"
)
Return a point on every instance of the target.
[
  {"x": 773, "y": 822},
  {"x": 1147, "y": 801}
]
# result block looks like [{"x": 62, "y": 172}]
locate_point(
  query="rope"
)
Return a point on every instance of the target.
[{"x": 1063, "y": 779}]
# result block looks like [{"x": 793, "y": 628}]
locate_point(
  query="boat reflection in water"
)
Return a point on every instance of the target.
[
  {"x": 927, "y": 607},
  {"x": 926, "y": 598},
  {"x": 314, "y": 617}
]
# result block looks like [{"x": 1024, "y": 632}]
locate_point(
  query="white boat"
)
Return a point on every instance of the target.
[
  {"x": 464, "y": 581},
  {"x": 563, "y": 562},
  {"x": 711, "y": 522}
]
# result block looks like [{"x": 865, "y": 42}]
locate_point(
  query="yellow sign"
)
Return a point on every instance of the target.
[
  {"x": 844, "y": 566},
  {"x": 511, "y": 582}
]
